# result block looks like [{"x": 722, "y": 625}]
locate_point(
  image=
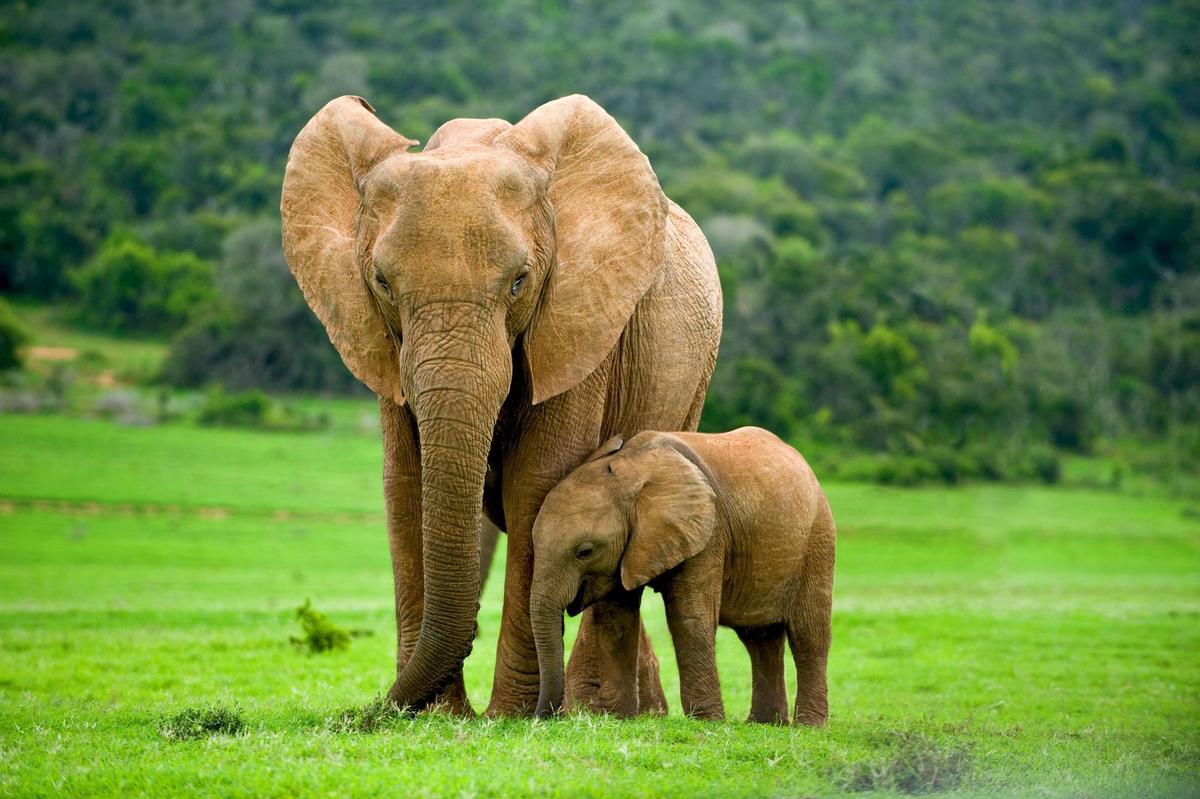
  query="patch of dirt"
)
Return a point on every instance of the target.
[{"x": 53, "y": 353}]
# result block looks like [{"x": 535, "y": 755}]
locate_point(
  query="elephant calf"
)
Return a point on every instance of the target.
[{"x": 730, "y": 528}]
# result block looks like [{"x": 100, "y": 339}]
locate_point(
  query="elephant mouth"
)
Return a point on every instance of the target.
[{"x": 575, "y": 606}]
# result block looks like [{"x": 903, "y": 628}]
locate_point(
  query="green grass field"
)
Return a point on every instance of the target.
[{"x": 988, "y": 640}]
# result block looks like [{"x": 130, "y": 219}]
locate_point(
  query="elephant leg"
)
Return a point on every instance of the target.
[
  {"x": 808, "y": 634},
  {"x": 554, "y": 439},
  {"x": 811, "y": 655},
  {"x": 589, "y": 661},
  {"x": 768, "y": 704},
  {"x": 692, "y": 600},
  {"x": 402, "y": 499},
  {"x": 516, "y": 679},
  {"x": 694, "y": 635},
  {"x": 809, "y": 626}
]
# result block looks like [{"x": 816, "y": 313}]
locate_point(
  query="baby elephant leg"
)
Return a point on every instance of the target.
[
  {"x": 694, "y": 636},
  {"x": 809, "y": 625},
  {"x": 808, "y": 636},
  {"x": 768, "y": 704}
]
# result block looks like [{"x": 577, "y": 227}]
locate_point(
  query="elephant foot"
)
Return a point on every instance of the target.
[
  {"x": 589, "y": 696},
  {"x": 451, "y": 700},
  {"x": 812, "y": 718},
  {"x": 514, "y": 690},
  {"x": 779, "y": 717},
  {"x": 705, "y": 713},
  {"x": 507, "y": 710},
  {"x": 512, "y": 705},
  {"x": 580, "y": 693}
]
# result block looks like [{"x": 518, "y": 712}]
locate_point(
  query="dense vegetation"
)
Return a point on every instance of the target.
[{"x": 964, "y": 234}]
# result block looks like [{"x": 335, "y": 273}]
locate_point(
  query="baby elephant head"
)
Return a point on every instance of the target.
[{"x": 614, "y": 524}]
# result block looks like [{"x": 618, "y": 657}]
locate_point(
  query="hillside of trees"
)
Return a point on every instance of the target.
[{"x": 956, "y": 238}]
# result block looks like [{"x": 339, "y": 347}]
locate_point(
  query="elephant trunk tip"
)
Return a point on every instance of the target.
[{"x": 547, "y": 708}]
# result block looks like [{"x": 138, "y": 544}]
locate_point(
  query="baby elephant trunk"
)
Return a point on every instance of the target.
[{"x": 546, "y": 616}]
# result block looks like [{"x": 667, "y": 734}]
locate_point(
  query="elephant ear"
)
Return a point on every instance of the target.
[
  {"x": 674, "y": 512},
  {"x": 609, "y": 220},
  {"x": 320, "y": 203}
]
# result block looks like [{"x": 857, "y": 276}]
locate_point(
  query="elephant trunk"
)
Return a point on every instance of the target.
[
  {"x": 455, "y": 406},
  {"x": 546, "y": 618}
]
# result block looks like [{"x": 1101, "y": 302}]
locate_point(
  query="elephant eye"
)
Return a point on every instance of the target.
[
  {"x": 383, "y": 284},
  {"x": 516, "y": 286},
  {"x": 585, "y": 550}
]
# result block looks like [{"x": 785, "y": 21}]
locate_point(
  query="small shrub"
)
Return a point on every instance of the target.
[
  {"x": 246, "y": 409},
  {"x": 202, "y": 722},
  {"x": 12, "y": 338},
  {"x": 21, "y": 400},
  {"x": 92, "y": 359},
  {"x": 58, "y": 386},
  {"x": 320, "y": 634},
  {"x": 1044, "y": 464},
  {"x": 116, "y": 404},
  {"x": 906, "y": 470},
  {"x": 915, "y": 764},
  {"x": 255, "y": 409},
  {"x": 987, "y": 460}
]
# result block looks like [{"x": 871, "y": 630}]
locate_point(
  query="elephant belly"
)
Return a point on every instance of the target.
[{"x": 760, "y": 591}]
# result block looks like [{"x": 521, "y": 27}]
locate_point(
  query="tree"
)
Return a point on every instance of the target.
[{"x": 131, "y": 287}]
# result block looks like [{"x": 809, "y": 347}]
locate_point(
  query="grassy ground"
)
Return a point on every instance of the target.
[
  {"x": 988, "y": 640},
  {"x": 57, "y": 338}
]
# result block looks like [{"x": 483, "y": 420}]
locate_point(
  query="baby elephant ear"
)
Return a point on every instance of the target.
[
  {"x": 674, "y": 513},
  {"x": 607, "y": 448}
]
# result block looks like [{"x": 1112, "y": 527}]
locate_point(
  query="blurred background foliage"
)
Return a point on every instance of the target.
[{"x": 957, "y": 238}]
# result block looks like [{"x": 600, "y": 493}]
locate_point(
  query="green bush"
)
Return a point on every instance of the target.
[
  {"x": 320, "y": 634},
  {"x": 952, "y": 465},
  {"x": 12, "y": 338},
  {"x": 246, "y": 409},
  {"x": 1041, "y": 463},
  {"x": 131, "y": 287},
  {"x": 906, "y": 470},
  {"x": 257, "y": 410}
]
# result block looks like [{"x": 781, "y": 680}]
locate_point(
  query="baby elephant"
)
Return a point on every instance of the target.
[{"x": 730, "y": 528}]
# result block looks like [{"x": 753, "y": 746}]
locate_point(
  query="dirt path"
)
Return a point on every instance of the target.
[{"x": 53, "y": 353}]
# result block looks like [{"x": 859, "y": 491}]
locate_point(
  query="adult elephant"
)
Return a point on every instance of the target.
[{"x": 515, "y": 294}]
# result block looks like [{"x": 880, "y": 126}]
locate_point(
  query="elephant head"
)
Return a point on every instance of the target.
[
  {"x": 432, "y": 270},
  {"x": 614, "y": 524}
]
